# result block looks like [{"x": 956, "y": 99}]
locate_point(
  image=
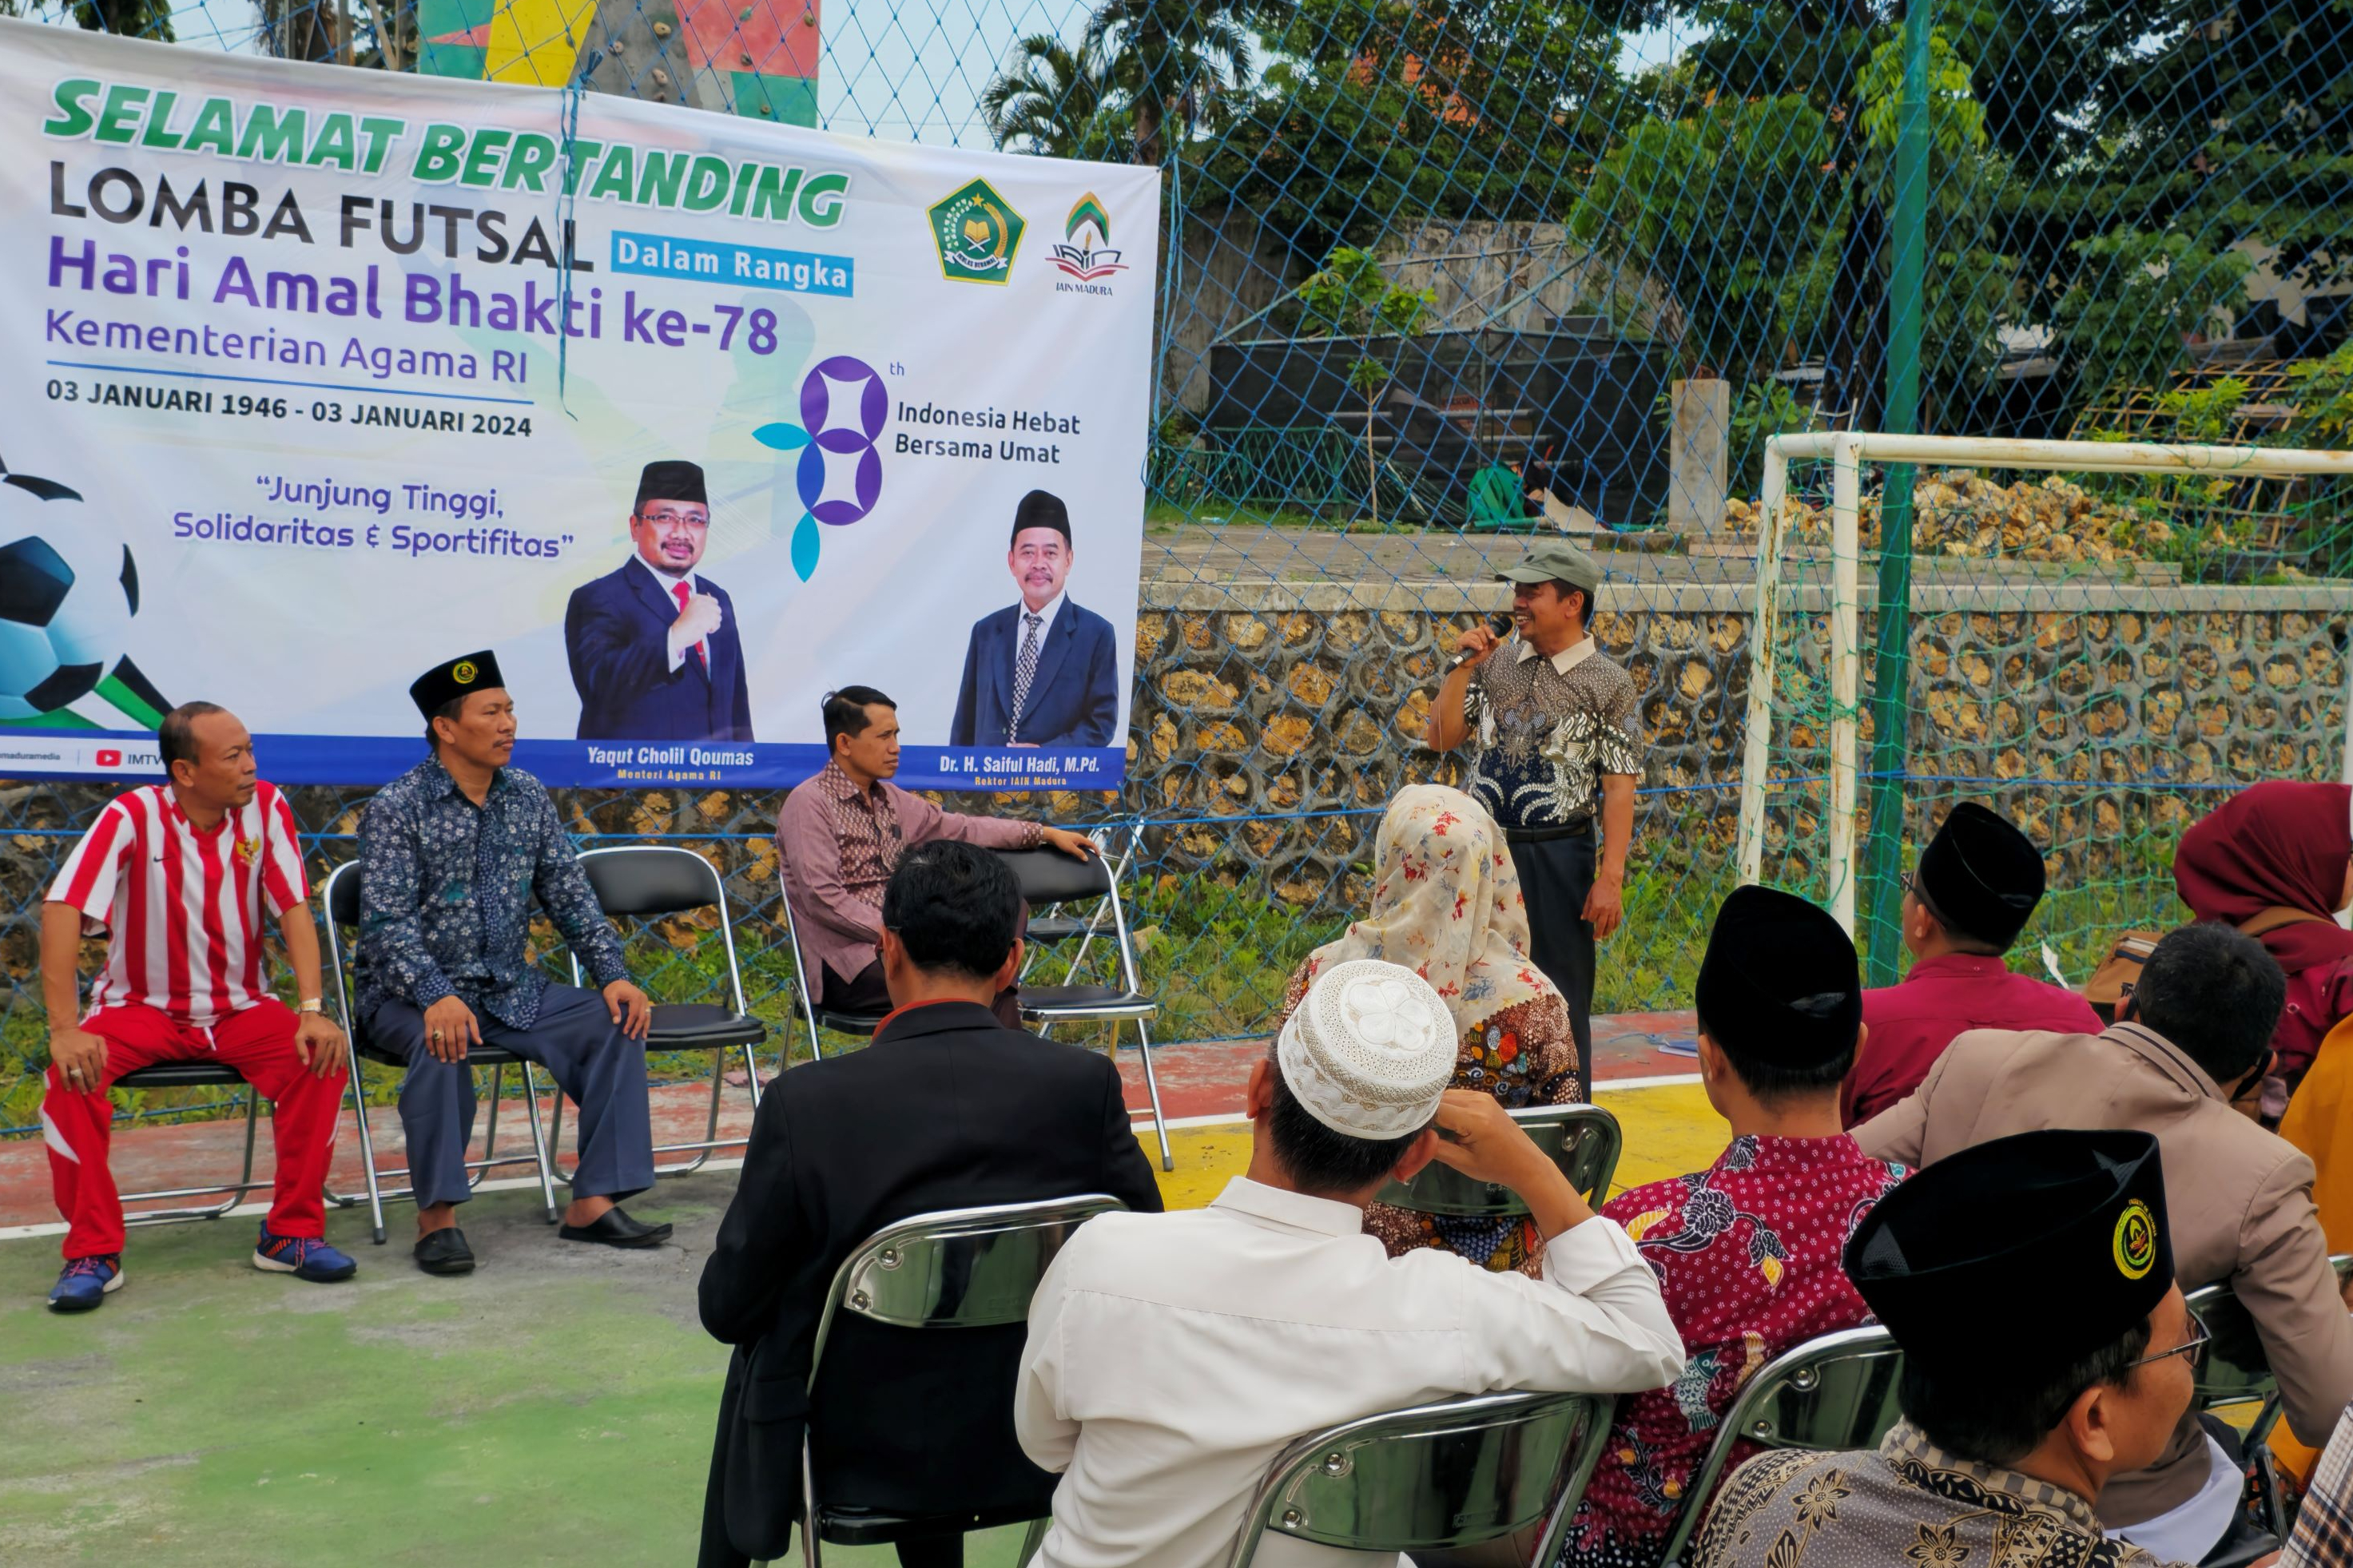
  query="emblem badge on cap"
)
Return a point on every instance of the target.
[
  {"x": 464, "y": 673},
  {"x": 2135, "y": 1240}
]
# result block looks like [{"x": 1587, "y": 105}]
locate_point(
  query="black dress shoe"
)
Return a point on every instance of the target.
[
  {"x": 445, "y": 1251},
  {"x": 614, "y": 1228}
]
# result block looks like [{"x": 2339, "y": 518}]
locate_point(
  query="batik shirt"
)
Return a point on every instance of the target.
[
  {"x": 1748, "y": 1255},
  {"x": 446, "y": 888},
  {"x": 1545, "y": 731},
  {"x": 1909, "y": 1505}
]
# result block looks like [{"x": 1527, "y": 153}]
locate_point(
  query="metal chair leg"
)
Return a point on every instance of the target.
[
  {"x": 812, "y": 1554},
  {"x": 751, "y": 1075},
  {"x": 490, "y": 1131},
  {"x": 542, "y": 1157},
  {"x": 1152, "y": 1089},
  {"x": 368, "y": 1151},
  {"x": 229, "y": 1194}
]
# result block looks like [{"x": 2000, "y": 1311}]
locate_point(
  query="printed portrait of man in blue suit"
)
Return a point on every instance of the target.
[
  {"x": 1042, "y": 672},
  {"x": 654, "y": 649}
]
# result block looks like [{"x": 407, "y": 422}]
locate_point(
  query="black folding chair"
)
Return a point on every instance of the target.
[
  {"x": 860, "y": 1024},
  {"x": 1435, "y": 1478},
  {"x": 646, "y": 881},
  {"x": 343, "y": 912},
  {"x": 956, "y": 1268},
  {"x": 1048, "y": 877},
  {"x": 194, "y": 1075}
]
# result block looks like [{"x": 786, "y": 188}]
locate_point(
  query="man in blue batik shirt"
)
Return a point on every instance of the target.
[{"x": 450, "y": 854}]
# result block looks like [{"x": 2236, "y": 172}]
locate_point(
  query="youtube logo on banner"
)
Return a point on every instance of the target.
[{"x": 108, "y": 758}]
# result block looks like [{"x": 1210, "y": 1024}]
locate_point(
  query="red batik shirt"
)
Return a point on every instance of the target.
[{"x": 1748, "y": 1254}]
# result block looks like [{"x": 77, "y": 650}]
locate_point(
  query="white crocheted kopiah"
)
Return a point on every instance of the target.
[{"x": 1369, "y": 1050}]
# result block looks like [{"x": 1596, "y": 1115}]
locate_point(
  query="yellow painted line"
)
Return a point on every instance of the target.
[{"x": 1670, "y": 1129}]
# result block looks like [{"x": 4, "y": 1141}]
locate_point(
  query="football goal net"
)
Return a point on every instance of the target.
[{"x": 2099, "y": 638}]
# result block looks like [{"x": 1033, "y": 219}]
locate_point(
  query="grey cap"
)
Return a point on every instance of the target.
[{"x": 1556, "y": 561}]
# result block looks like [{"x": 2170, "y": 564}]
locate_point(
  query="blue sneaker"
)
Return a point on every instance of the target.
[
  {"x": 86, "y": 1283},
  {"x": 303, "y": 1256}
]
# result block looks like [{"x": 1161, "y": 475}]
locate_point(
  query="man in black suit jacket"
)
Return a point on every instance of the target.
[
  {"x": 654, "y": 649},
  {"x": 948, "y": 1108},
  {"x": 1042, "y": 672}
]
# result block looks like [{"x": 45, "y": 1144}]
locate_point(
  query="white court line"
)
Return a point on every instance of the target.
[
  {"x": 520, "y": 1183},
  {"x": 1230, "y": 1118}
]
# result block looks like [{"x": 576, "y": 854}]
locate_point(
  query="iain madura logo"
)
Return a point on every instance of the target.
[
  {"x": 978, "y": 233},
  {"x": 1086, "y": 252}
]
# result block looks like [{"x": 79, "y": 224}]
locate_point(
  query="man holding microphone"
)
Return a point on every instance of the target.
[{"x": 1555, "y": 743}]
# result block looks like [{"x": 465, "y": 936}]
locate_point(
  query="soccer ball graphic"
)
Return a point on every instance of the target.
[{"x": 68, "y": 590}]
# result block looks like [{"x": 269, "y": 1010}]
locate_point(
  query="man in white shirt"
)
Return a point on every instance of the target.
[{"x": 1171, "y": 1357}]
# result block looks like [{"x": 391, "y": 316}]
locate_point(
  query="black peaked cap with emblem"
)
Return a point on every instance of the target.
[
  {"x": 673, "y": 479},
  {"x": 1982, "y": 874},
  {"x": 1043, "y": 509},
  {"x": 445, "y": 683},
  {"x": 2035, "y": 1249},
  {"x": 1779, "y": 982}
]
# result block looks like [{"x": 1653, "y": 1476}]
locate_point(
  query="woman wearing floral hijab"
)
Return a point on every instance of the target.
[{"x": 1447, "y": 905}]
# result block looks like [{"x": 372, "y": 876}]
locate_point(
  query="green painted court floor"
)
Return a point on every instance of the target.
[{"x": 554, "y": 1406}]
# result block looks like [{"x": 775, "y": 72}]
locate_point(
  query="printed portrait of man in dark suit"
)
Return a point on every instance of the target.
[
  {"x": 654, "y": 649},
  {"x": 1042, "y": 672}
]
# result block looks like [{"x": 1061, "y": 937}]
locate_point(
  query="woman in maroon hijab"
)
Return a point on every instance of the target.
[{"x": 2277, "y": 859}]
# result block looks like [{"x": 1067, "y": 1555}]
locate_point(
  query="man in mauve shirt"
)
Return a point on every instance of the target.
[{"x": 1976, "y": 887}]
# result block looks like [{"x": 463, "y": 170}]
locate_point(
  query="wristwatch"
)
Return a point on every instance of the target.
[{"x": 310, "y": 1004}]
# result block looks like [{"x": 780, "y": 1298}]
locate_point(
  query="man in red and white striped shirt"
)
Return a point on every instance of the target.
[{"x": 178, "y": 876}]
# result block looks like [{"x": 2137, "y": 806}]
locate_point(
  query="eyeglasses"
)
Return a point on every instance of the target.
[
  {"x": 666, "y": 516},
  {"x": 2193, "y": 1348}
]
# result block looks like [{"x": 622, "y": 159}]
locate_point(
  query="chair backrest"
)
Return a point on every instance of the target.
[
  {"x": 954, "y": 1268},
  {"x": 1584, "y": 1141},
  {"x": 2235, "y": 1370},
  {"x": 1051, "y": 877},
  {"x": 646, "y": 879},
  {"x": 1827, "y": 1394},
  {"x": 641, "y": 881},
  {"x": 343, "y": 894},
  {"x": 1434, "y": 1477}
]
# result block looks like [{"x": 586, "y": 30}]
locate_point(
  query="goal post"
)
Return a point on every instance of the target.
[{"x": 1846, "y": 452}]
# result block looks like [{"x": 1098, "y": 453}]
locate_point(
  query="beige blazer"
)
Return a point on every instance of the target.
[{"x": 2237, "y": 1201}]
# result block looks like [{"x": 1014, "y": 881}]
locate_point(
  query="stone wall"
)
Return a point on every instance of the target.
[
  {"x": 2094, "y": 711},
  {"x": 1273, "y": 720}
]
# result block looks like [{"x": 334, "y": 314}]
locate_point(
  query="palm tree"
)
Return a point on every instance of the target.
[
  {"x": 1178, "y": 54},
  {"x": 1052, "y": 97}
]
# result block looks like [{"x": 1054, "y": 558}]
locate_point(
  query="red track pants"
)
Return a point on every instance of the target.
[{"x": 258, "y": 1043}]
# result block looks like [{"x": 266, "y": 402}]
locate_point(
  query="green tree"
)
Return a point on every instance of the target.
[
  {"x": 1351, "y": 297},
  {"x": 125, "y": 18},
  {"x": 2134, "y": 297},
  {"x": 1186, "y": 55},
  {"x": 1057, "y": 101},
  {"x": 1376, "y": 115}
]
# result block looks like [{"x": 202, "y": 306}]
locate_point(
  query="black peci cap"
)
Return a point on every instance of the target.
[
  {"x": 1043, "y": 509},
  {"x": 1982, "y": 874},
  {"x": 1779, "y": 982},
  {"x": 674, "y": 479},
  {"x": 2040, "y": 1248},
  {"x": 445, "y": 683}
]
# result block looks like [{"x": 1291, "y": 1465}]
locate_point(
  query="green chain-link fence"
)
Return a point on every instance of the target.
[{"x": 1608, "y": 250}]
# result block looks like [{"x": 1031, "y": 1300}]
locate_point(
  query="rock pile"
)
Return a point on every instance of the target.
[{"x": 1959, "y": 512}]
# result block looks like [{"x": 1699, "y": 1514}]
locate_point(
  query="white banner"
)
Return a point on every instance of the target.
[{"x": 313, "y": 378}]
